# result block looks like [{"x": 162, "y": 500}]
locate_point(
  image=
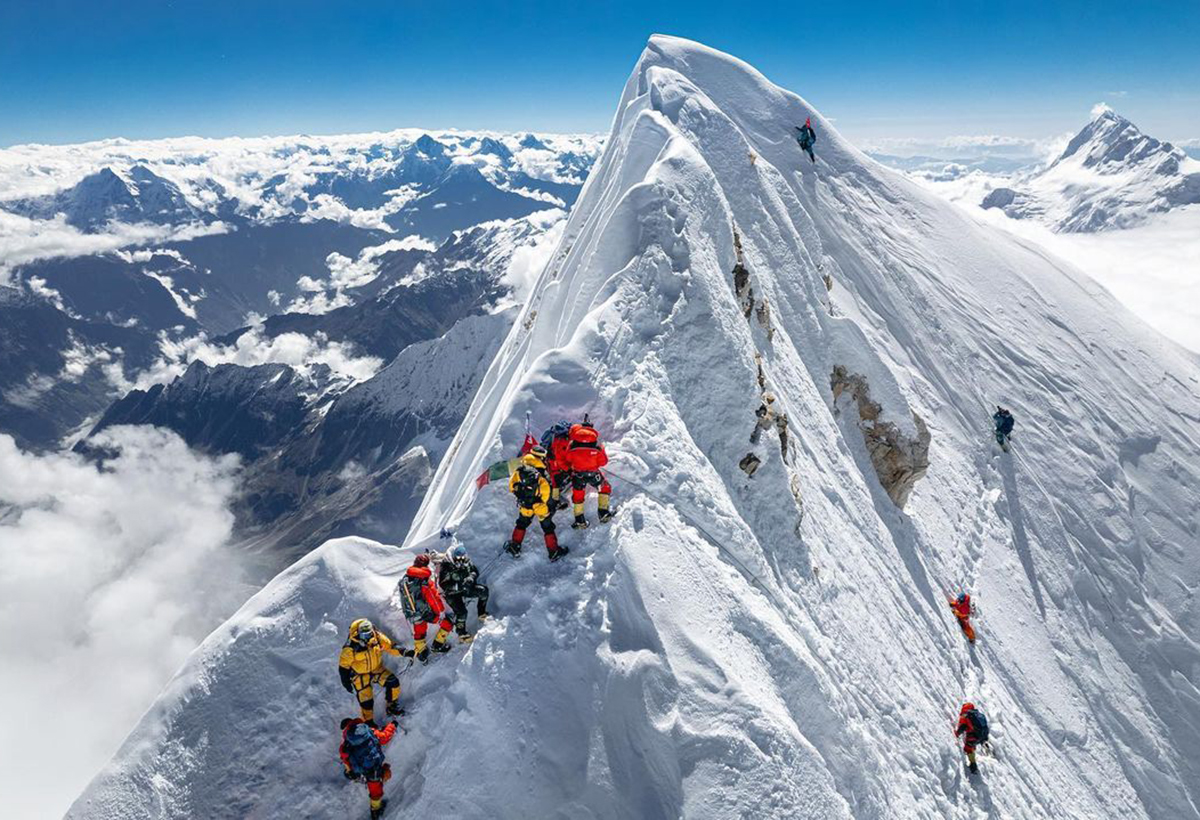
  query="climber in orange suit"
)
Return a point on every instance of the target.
[{"x": 962, "y": 610}]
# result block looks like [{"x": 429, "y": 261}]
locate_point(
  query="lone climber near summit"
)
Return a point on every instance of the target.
[
  {"x": 458, "y": 578},
  {"x": 973, "y": 729},
  {"x": 807, "y": 138},
  {"x": 1004, "y": 426},
  {"x": 423, "y": 605},
  {"x": 585, "y": 456}
]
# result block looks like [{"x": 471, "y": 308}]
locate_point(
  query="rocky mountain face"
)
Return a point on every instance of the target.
[
  {"x": 322, "y": 457},
  {"x": 1110, "y": 175},
  {"x": 56, "y": 369}
]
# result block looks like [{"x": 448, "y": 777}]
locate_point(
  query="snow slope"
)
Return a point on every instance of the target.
[{"x": 777, "y": 646}]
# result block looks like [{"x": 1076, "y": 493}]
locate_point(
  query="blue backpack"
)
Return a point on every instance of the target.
[
  {"x": 364, "y": 750},
  {"x": 979, "y": 721},
  {"x": 559, "y": 430}
]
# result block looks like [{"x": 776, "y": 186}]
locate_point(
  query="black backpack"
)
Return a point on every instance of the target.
[
  {"x": 979, "y": 721},
  {"x": 528, "y": 482}
]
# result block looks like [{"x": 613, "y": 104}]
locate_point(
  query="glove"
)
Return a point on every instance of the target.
[
  {"x": 406, "y": 652},
  {"x": 349, "y": 774}
]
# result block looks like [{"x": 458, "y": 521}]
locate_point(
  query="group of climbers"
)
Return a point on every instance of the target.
[
  {"x": 361, "y": 662},
  {"x": 568, "y": 456},
  {"x": 972, "y": 723},
  {"x": 361, "y": 668}
]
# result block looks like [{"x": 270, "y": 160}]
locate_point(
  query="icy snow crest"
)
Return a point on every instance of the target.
[{"x": 775, "y": 646}]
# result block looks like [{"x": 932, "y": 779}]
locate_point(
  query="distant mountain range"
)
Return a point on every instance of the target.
[
  {"x": 135, "y": 253},
  {"x": 252, "y": 295}
]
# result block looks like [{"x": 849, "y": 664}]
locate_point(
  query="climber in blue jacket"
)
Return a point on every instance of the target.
[{"x": 807, "y": 138}]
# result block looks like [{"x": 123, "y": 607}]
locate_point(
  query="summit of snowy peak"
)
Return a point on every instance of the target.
[
  {"x": 1110, "y": 143},
  {"x": 104, "y": 187},
  {"x": 133, "y": 195},
  {"x": 429, "y": 146},
  {"x": 721, "y": 306},
  {"x": 490, "y": 145},
  {"x": 793, "y": 367},
  {"x": 531, "y": 141}
]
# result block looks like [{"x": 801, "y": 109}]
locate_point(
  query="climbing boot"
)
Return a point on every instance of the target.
[
  {"x": 558, "y": 552},
  {"x": 581, "y": 523},
  {"x": 440, "y": 646},
  {"x": 377, "y": 812},
  {"x": 513, "y": 548},
  {"x": 395, "y": 709},
  {"x": 421, "y": 651},
  {"x": 605, "y": 515}
]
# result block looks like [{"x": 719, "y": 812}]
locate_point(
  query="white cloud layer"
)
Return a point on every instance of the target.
[
  {"x": 254, "y": 348},
  {"x": 1153, "y": 269},
  {"x": 346, "y": 273},
  {"x": 960, "y": 146},
  {"x": 528, "y": 259},
  {"x": 108, "y": 579},
  {"x": 23, "y": 240}
]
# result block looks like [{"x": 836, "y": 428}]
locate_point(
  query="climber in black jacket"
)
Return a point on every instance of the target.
[{"x": 458, "y": 578}]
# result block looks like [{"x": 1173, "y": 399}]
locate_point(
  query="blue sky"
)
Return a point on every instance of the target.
[{"x": 71, "y": 71}]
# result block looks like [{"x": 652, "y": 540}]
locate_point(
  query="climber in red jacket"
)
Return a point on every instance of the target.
[
  {"x": 962, "y": 610},
  {"x": 556, "y": 441},
  {"x": 973, "y": 729},
  {"x": 363, "y": 758},
  {"x": 423, "y": 606},
  {"x": 585, "y": 456}
]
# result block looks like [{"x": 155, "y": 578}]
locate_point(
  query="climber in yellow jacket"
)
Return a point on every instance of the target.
[
  {"x": 361, "y": 667},
  {"x": 530, "y": 485}
]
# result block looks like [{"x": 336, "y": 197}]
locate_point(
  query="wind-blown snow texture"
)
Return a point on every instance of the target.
[{"x": 702, "y": 655}]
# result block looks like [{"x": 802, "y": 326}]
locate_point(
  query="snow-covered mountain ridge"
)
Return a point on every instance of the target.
[
  {"x": 776, "y": 645},
  {"x": 1110, "y": 175}
]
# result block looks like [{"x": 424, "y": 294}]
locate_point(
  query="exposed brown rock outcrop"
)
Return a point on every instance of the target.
[{"x": 899, "y": 460}]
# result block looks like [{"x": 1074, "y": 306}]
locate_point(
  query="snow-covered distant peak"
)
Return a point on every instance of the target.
[
  {"x": 129, "y": 195},
  {"x": 1110, "y": 144},
  {"x": 1110, "y": 175}
]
